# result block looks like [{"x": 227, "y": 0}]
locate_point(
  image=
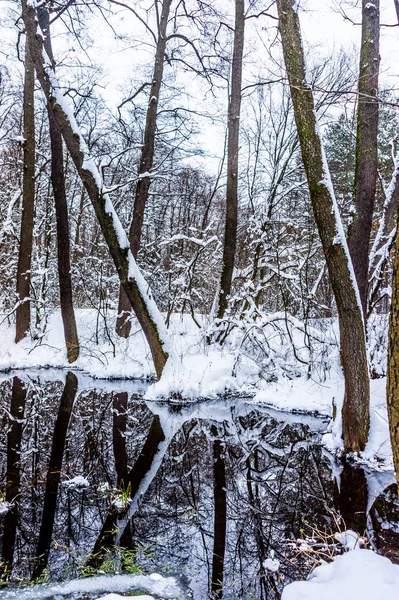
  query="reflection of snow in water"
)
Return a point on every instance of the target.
[{"x": 166, "y": 587}]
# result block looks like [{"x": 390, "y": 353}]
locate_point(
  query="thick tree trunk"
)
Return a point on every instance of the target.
[
  {"x": 28, "y": 201},
  {"x": 54, "y": 473},
  {"x": 61, "y": 211},
  {"x": 356, "y": 408},
  {"x": 230, "y": 232},
  {"x": 393, "y": 365},
  {"x": 366, "y": 146},
  {"x": 123, "y": 323},
  {"x": 130, "y": 276}
]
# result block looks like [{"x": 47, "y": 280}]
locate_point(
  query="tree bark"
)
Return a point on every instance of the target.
[
  {"x": 28, "y": 201},
  {"x": 61, "y": 211},
  {"x": 366, "y": 146},
  {"x": 230, "y": 232},
  {"x": 356, "y": 407},
  {"x": 131, "y": 278},
  {"x": 123, "y": 323},
  {"x": 393, "y": 365}
]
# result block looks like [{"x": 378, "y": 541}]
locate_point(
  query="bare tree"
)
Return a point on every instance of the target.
[
  {"x": 366, "y": 146},
  {"x": 356, "y": 408},
  {"x": 131, "y": 278},
  {"x": 123, "y": 324},
  {"x": 28, "y": 201},
  {"x": 61, "y": 211},
  {"x": 230, "y": 233}
]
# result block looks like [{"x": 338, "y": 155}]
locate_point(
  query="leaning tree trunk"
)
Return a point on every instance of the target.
[
  {"x": 393, "y": 365},
  {"x": 356, "y": 408},
  {"x": 116, "y": 239},
  {"x": 366, "y": 146},
  {"x": 123, "y": 323},
  {"x": 28, "y": 201},
  {"x": 230, "y": 232},
  {"x": 61, "y": 211}
]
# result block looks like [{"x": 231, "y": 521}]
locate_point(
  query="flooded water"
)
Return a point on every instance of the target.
[{"x": 94, "y": 480}]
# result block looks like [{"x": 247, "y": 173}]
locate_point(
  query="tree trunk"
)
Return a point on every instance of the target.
[
  {"x": 61, "y": 211},
  {"x": 28, "y": 201},
  {"x": 130, "y": 276},
  {"x": 397, "y": 9},
  {"x": 356, "y": 408},
  {"x": 230, "y": 232},
  {"x": 393, "y": 365},
  {"x": 366, "y": 146},
  {"x": 123, "y": 323}
]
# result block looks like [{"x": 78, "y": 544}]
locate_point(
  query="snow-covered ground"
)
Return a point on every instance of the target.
[
  {"x": 280, "y": 363},
  {"x": 359, "y": 574}
]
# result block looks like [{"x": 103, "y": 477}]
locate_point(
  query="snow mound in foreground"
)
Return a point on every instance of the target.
[{"x": 358, "y": 574}]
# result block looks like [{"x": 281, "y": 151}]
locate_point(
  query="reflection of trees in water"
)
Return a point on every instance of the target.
[
  {"x": 13, "y": 473},
  {"x": 211, "y": 497},
  {"x": 54, "y": 473}
]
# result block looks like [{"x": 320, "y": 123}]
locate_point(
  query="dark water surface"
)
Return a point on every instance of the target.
[{"x": 208, "y": 491}]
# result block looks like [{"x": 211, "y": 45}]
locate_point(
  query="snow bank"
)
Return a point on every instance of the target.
[
  {"x": 378, "y": 451},
  {"x": 358, "y": 574},
  {"x": 165, "y": 587},
  {"x": 302, "y": 395}
]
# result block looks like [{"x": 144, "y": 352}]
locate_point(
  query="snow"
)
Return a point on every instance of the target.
[
  {"x": 195, "y": 376},
  {"x": 165, "y": 587},
  {"x": 77, "y": 482},
  {"x": 302, "y": 395},
  {"x": 197, "y": 370},
  {"x": 118, "y": 597},
  {"x": 358, "y": 574},
  {"x": 378, "y": 451},
  {"x": 271, "y": 564},
  {"x": 4, "y": 506},
  {"x": 349, "y": 539}
]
